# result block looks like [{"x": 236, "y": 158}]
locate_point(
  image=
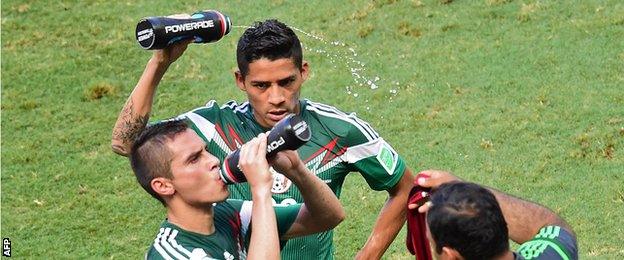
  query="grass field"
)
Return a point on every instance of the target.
[{"x": 526, "y": 96}]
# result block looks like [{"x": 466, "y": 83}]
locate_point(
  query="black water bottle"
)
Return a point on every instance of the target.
[
  {"x": 289, "y": 133},
  {"x": 159, "y": 32}
]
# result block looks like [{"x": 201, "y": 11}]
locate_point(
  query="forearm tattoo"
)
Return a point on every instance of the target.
[{"x": 130, "y": 125}]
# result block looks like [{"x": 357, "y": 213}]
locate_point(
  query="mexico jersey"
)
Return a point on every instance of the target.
[
  {"x": 232, "y": 220},
  {"x": 341, "y": 143},
  {"x": 552, "y": 242}
]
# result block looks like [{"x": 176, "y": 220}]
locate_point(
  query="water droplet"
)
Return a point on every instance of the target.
[{"x": 343, "y": 56}]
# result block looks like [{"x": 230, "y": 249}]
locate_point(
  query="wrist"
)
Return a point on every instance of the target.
[
  {"x": 261, "y": 193},
  {"x": 297, "y": 173},
  {"x": 159, "y": 62}
]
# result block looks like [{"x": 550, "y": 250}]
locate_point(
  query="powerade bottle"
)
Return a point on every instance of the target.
[
  {"x": 159, "y": 32},
  {"x": 289, "y": 133}
]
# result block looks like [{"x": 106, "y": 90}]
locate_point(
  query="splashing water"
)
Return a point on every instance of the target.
[
  {"x": 339, "y": 54},
  {"x": 347, "y": 57}
]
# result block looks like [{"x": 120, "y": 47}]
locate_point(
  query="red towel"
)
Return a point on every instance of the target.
[{"x": 416, "y": 241}]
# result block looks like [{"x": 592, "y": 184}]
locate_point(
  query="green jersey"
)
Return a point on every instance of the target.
[
  {"x": 552, "y": 242},
  {"x": 232, "y": 221},
  {"x": 341, "y": 143}
]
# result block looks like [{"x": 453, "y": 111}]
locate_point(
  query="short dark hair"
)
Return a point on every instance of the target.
[
  {"x": 270, "y": 39},
  {"x": 466, "y": 217},
  {"x": 150, "y": 158}
]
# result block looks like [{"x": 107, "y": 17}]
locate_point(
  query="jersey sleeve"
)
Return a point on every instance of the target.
[
  {"x": 285, "y": 215},
  {"x": 552, "y": 242},
  {"x": 152, "y": 254},
  {"x": 203, "y": 120},
  {"x": 373, "y": 157}
]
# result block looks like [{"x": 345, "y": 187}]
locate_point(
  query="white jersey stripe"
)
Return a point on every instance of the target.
[
  {"x": 208, "y": 105},
  {"x": 230, "y": 104},
  {"x": 175, "y": 244},
  {"x": 245, "y": 215},
  {"x": 158, "y": 248},
  {"x": 233, "y": 105},
  {"x": 363, "y": 151},
  {"x": 165, "y": 244},
  {"x": 351, "y": 116},
  {"x": 346, "y": 119},
  {"x": 242, "y": 108},
  {"x": 366, "y": 126},
  {"x": 205, "y": 127}
]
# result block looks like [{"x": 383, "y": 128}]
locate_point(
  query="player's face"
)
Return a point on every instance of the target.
[
  {"x": 273, "y": 88},
  {"x": 195, "y": 171}
]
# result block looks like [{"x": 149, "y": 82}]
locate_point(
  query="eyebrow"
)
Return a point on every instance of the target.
[
  {"x": 287, "y": 79},
  {"x": 193, "y": 156},
  {"x": 291, "y": 77}
]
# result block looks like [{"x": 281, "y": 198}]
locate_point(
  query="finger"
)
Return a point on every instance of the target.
[
  {"x": 246, "y": 151},
  {"x": 262, "y": 145},
  {"x": 253, "y": 148},
  {"x": 425, "y": 207},
  {"x": 242, "y": 155},
  {"x": 424, "y": 181},
  {"x": 429, "y": 178},
  {"x": 412, "y": 206}
]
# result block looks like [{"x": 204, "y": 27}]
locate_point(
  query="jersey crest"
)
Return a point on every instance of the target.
[{"x": 281, "y": 184}]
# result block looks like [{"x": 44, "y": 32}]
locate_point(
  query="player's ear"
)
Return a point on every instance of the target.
[
  {"x": 450, "y": 253},
  {"x": 162, "y": 186},
  {"x": 240, "y": 80},
  {"x": 305, "y": 70}
]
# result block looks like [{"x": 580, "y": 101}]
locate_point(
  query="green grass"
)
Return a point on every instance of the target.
[{"x": 526, "y": 96}]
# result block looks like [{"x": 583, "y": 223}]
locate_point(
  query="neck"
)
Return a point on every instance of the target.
[{"x": 198, "y": 219}]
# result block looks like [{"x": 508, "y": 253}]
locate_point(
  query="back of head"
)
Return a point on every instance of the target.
[
  {"x": 270, "y": 39},
  {"x": 150, "y": 158},
  {"x": 466, "y": 217}
]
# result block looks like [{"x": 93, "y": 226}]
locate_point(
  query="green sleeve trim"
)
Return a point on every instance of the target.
[{"x": 529, "y": 251}]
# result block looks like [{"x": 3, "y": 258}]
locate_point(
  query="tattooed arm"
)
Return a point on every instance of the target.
[{"x": 135, "y": 113}]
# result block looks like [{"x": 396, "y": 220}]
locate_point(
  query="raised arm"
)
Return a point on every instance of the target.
[
  {"x": 524, "y": 218},
  {"x": 135, "y": 113},
  {"x": 390, "y": 220},
  {"x": 321, "y": 209},
  {"x": 264, "y": 241}
]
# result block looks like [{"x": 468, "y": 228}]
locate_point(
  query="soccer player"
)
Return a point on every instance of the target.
[
  {"x": 171, "y": 163},
  {"x": 468, "y": 221},
  {"x": 271, "y": 71}
]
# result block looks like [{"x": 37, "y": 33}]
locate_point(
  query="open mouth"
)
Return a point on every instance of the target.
[{"x": 277, "y": 115}]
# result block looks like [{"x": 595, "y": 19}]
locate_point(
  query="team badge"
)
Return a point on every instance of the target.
[
  {"x": 387, "y": 158},
  {"x": 281, "y": 184}
]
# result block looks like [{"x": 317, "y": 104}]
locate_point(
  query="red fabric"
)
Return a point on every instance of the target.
[{"x": 416, "y": 241}]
